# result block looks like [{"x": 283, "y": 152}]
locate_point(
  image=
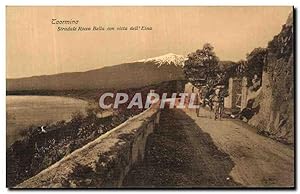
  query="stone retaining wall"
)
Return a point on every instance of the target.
[{"x": 103, "y": 162}]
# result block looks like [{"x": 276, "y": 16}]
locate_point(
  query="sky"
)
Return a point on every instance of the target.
[{"x": 35, "y": 47}]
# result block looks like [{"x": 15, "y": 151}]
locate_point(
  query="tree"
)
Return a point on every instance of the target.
[
  {"x": 255, "y": 62},
  {"x": 241, "y": 68},
  {"x": 252, "y": 66},
  {"x": 202, "y": 67}
]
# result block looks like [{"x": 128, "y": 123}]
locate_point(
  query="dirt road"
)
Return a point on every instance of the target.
[
  {"x": 192, "y": 151},
  {"x": 258, "y": 161}
]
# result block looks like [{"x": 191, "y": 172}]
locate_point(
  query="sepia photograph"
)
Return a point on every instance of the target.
[{"x": 150, "y": 97}]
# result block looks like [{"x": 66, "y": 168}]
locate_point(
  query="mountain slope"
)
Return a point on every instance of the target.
[{"x": 128, "y": 75}]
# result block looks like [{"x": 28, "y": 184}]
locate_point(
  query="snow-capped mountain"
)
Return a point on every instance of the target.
[
  {"x": 167, "y": 59},
  {"x": 127, "y": 75}
]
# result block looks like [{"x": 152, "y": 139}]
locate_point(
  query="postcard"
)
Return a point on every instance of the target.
[{"x": 150, "y": 97}]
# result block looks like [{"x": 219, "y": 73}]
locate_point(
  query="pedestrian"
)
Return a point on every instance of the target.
[
  {"x": 199, "y": 101},
  {"x": 217, "y": 104}
]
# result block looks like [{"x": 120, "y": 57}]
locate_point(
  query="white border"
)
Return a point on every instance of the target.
[{"x": 110, "y": 2}]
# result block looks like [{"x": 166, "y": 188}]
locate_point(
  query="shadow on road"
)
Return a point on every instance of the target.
[{"x": 180, "y": 154}]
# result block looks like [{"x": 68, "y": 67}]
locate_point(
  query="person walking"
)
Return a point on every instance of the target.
[
  {"x": 199, "y": 101},
  {"x": 217, "y": 104}
]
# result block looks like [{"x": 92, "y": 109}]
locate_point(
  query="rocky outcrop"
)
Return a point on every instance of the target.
[{"x": 276, "y": 99}]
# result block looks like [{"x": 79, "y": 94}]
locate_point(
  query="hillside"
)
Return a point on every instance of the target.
[
  {"x": 127, "y": 75},
  {"x": 276, "y": 100}
]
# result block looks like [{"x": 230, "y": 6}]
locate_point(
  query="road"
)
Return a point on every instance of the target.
[{"x": 191, "y": 151}]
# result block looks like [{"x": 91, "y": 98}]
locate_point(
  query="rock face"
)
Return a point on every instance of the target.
[{"x": 276, "y": 100}]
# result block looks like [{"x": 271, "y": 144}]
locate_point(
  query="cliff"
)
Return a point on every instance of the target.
[{"x": 276, "y": 99}]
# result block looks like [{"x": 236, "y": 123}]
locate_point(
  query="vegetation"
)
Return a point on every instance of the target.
[
  {"x": 38, "y": 150},
  {"x": 202, "y": 67}
]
